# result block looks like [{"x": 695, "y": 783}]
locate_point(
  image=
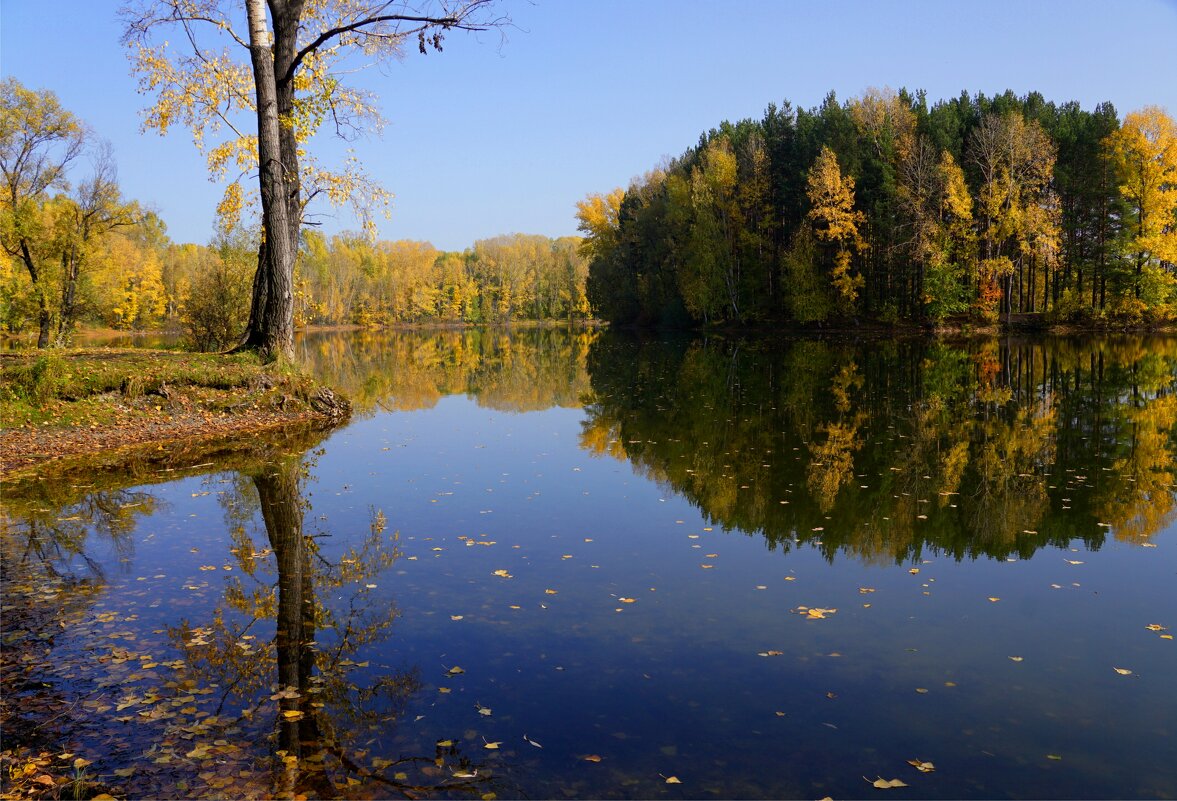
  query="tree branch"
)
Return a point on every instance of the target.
[{"x": 450, "y": 22}]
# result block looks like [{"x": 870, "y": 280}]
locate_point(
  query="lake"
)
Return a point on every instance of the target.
[{"x": 545, "y": 563}]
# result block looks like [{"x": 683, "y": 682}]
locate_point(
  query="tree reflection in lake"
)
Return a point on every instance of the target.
[
  {"x": 510, "y": 369},
  {"x": 267, "y": 674},
  {"x": 896, "y": 449}
]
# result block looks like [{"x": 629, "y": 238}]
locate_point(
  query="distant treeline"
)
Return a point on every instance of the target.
[
  {"x": 135, "y": 277},
  {"x": 891, "y": 209}
]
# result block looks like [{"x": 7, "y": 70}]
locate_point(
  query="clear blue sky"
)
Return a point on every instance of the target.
[{"x": 487, "y": 139}]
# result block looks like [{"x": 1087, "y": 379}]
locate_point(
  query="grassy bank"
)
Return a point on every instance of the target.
[{"x": 103, "y": 403}]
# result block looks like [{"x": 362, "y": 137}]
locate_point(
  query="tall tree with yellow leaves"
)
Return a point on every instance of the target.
[
  {"x": 1144, "y": 151},
  {"x": 39, "y": 140},
  {"x": 835, "y": 223},
  {"x": 268, "y": 82}
]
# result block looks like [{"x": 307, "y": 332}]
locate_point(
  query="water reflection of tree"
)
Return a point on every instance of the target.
[
  {"x": 300, "y": 686},
  {"x": 887, "y": 450},
  {"x": 51, "y": 583},
  {"x": 517, "y": 369}
]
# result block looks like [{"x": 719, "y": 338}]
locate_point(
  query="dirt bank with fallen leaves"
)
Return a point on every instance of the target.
[{"x": 62, "y": 409}]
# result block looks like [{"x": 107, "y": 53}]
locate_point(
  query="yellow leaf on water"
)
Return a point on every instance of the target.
[
  {"x": 672, "y": 780},
  {"x": 994, "y": 600},
  {"x": 455, "y": 617},
  {"x": 1053, "y": 756},
  {"x": 885, "y": 784},
  {"x": 592, "y": 758},
  {"x": 1155, "y": 627},
  {"x": 445, "y": 743},
  {"x": 921, "y": 766},
  {"x": 921, "y": 690},
  {"x": 492, "y": 746},
  {"x": 914, "y": 570},
  {"x": 455, "y": 670},
  {"x": 292, "y": 714},
  {"x": 1016, "y": 658},
  {"x": 627, "y": 600},
  {"x": 549, "y": 592},
  {"x": 1123, "y": 671}
]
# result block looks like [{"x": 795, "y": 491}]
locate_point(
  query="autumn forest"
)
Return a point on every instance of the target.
[
  {"x": 886, "y": 208},
  {"x": 893, "y": 208}
]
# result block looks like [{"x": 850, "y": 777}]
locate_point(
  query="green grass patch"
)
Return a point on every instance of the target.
[{"x": 64, "y": 387}]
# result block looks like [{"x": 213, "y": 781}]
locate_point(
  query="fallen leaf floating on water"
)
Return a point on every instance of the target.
[
  {"x": 1073, "y": 561},
  {"x": 1016, "y": 658},
  {"x": 627, "y": 600},
  {"x": 770, "y": 653},
  {"x": 1055, "y": 757},
  {"x": 533, "y": 742},
  {"x": 1123, "y": 671},
  {"x": 455, "y": 670},
  {"x": 921, "y": 690},
  {"x": 672, "y": 779},
  {"x": 549, "y": 592},
  {"x": 1155, "y": 627},
  {"x": 814, "y": 612},
  {"x": 922, "y": 767},
  {"x": 483, "y": 710},
  {"x": 492, "y": 746},
  {"x": 502, "y": 574},
  {"x": 994, "y": 599},
  {"x": 885, "y": 784},
  {"x": 455, "y": 617},
  {"x": 592, "y": 758},
  {"x": 914, "y": 570}
]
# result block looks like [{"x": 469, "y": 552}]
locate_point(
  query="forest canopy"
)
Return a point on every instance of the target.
[{"x": 890, "y": 208}]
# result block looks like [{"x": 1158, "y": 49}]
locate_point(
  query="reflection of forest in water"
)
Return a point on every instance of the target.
[
  {"x": 889, "y": 450},
  {"x": 507, "y": 369}
]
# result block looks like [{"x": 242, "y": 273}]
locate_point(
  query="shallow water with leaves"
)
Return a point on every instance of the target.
[{"x": 554, "y": 564}]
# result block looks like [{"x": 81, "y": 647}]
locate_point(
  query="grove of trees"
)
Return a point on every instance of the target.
[{"x": 892, "y": 208}]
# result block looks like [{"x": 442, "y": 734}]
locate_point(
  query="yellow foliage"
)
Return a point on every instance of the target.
[{"x": 1144, "y": 150}]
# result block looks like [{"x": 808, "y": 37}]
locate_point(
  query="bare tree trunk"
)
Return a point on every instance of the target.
[
  {"x": 43, "y": 317},
  {"x": 271, "y": 328}
]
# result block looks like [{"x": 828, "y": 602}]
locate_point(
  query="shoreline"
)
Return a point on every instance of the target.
[{"x": 108, "y": 406}]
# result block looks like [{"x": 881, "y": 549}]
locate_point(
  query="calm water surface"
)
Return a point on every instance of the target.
[{"x": 553, "y": 564}]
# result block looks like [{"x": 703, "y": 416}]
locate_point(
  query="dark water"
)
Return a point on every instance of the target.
[{"x": 600, "y": 553}]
